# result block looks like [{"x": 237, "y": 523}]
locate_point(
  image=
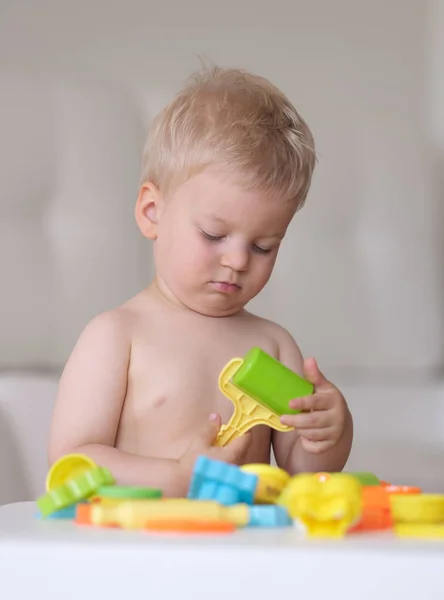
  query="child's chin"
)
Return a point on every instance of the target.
[{"x": 215, "y": 307}]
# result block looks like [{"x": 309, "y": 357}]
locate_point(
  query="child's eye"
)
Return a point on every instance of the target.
[
  {"x": 211, "y": 238},
  {"x": 260, "y": 250}
]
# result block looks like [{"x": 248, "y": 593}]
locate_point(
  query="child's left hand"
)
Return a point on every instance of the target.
[{"x": 324, "y": 419}]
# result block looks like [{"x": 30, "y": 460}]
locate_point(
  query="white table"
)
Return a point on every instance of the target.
[{"x": 56, "y": 560}]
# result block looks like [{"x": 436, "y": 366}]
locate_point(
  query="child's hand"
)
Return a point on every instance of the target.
[
  {"x": 203, "y": 445},
  {"x": 323, "y": 421}
]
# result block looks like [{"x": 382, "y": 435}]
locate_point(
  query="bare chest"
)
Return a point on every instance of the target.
[
  {"x": 180, "y": 377},
  {"x": 173, "y": 386}
]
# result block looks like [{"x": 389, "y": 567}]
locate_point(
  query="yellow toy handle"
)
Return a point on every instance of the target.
[{"x": 247, "y": 412}]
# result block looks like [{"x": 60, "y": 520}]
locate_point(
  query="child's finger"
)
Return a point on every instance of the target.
[
  {"x": 210, "y": 429},
  {"x": 312, "y": 402},
  {"x": 315, "y": 447},
  {"x": 318, "y": 419},
  {"x": 313, "y": 374},
  {"x": 317, "y": 435}
]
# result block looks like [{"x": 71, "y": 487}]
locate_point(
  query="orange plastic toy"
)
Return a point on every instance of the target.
[
  {"x": 402, "y": 489},
  {"x": 139, "y": 514},
  {"x": 186, "y": 526},
  {"x": 171, "y": 524},
  {"x": 376, "y": 510}
]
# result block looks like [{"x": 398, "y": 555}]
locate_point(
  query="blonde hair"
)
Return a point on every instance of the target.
[{"x": 236, "y": 120}]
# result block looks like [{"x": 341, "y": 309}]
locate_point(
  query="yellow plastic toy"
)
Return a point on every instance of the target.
[
  {"x": 327, "y": 507},
  {"x": 420, "y": 531},
  {"x": 271, "y": 482},
  {"x": 247, "y": 412},
  {"x": 66, "y": 468},
  {"x": 260, "y": 388},
  {"x": 417, "y": 508},
  {"x": 137, "y": 514}
]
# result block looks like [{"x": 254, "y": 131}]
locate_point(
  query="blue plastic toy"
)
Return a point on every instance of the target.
[
  {"x": 224, "y": 483},
  {"x": 271, "y": 515}
]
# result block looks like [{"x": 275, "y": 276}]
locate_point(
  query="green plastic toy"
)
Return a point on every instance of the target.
[
  {"x": 366, "y": 478},
  {"x": 75, "y": 490},
  {"x": 260, "y": 387},
  {"x": 128, "y": 492}
]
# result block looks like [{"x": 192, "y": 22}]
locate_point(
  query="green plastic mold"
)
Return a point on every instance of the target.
[
  {"x": 79, "y": 488},
  {"x": 128, "y": 492},
  {"x": 270, "y": 382},
  {"x": 366, "y": 478}
]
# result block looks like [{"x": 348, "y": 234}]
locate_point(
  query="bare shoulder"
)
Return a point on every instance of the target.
[
  {"x": 111, "y": 330},
  {"x": 287, "y": 350},
  {"x": 109, "y": 326},
  {"x": 105, "y": 338},
  {"x": 117, "y": 324}
]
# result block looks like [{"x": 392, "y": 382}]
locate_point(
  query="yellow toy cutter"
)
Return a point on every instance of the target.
[
  {"x": 260, "y": 388},
  {"x": 137, "y": 514}
]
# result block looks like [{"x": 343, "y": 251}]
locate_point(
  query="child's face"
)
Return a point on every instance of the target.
[{"x": 217, "y": 243}]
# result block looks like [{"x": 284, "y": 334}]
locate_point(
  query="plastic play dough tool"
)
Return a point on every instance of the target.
[
  {"x": 420, "y": 530},
  {"x": 324, "y": 508},
  {"x": 191, "y": 526},
  {"x": 417, "y": 508},
  {"x": 271, "y": 482},
  {"x": 66, "y": 468},
  {"x": 260, "y": 387},
  {"x": 139, "y": 514},
  {"x": 125, "y": 492},
  {"x": 74, "y": 490}
]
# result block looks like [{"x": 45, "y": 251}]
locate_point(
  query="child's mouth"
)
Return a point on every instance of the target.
[{"x": 225, "y": 287}]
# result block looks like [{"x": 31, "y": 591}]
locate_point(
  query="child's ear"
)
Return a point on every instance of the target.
[{"x": 148, "y": 209}]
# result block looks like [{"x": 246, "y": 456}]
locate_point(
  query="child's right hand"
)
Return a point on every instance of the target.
[{"x": 203, "y": 445}]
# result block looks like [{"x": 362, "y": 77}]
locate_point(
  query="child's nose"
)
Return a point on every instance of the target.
[{"x": 236, "y": 259}]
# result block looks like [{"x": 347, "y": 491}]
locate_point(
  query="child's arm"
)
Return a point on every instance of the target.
[
  {"x": 323, "y": 434},
  {"x": 89, "y": 404}
]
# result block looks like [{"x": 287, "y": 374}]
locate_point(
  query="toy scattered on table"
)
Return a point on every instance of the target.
[
  {"x": 418, "y": 515},
  {"x": 326, "y": 507},
  {"x": 63, "y": 513},
  {"x": 74, "y": 490},
  {"x": 223, "y": 499},
  {"x": 192, "y": 527},
  {"x": 268, "y": 515},
  {"x": 365, "y": 478},
  {"x": 225, "y": 483},
  {"x": 66, "y": 468},
  {"x": 376, "y": 512},
  {"x": 110, "y": 495},
  {"x": 260, "y": 388},
  {"x": 141, "y": 514},
  {"x": 271, "y": 482},
  {"x": 230, "y": 485}
]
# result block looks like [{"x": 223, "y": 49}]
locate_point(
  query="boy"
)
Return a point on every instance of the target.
[{"x": 227, "y": 164}]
